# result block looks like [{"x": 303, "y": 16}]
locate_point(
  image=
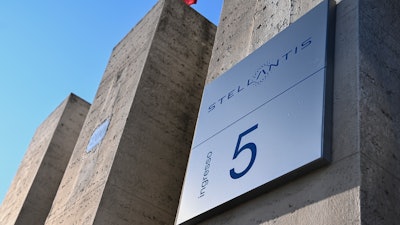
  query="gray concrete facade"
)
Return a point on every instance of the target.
[
  {"x": 379, "y": 110},
  {"x": 150, "y": 93},
  {"x": 34, "y": 187},
  {"x": 361, "y": 185}
]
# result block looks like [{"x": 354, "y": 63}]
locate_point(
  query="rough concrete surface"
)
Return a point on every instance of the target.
[
  {"x": 380, "y": 111},
  {"x": 331, "y": 194},
  {"x": 150, "y": 92},
  {"x": 35, "y": 185},
  {"x": 366, "y": 131}
]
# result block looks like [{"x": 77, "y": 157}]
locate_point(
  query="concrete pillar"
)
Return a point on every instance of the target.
[
  {"x": 130, "y": 159},
  {"x": 379, "y": 110},
  {"x": 35, "y": 185},
  {"x": 360, "y": 186}
]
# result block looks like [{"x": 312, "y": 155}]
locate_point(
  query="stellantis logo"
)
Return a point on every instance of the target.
[{"x": 261, "y": 74}]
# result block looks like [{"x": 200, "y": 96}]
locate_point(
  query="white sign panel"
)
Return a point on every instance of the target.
[{"x": 262, "y": 120}]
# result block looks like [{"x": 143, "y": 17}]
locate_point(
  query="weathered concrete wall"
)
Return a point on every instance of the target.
[
  {"x": 82, "y": 187},
  {"x": 379, "y": 77},
  {"x": 330, "y": 195},
  {"x": 35, "y": 185},
  {"x": 360, "y": 186},
  {"x": 151, "y": 92}
]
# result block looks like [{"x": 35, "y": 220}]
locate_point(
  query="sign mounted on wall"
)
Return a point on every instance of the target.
[{"x": 265, "y": 121}]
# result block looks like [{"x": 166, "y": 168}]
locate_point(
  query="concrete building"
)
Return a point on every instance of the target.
[
  {"x": 129, "y": 161},
  {"x": 32, "y": 191},
  {"x": 362, "y": 183}
]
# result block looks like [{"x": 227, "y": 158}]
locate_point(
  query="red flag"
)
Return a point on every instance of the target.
[{"x": 190, "y": 2}]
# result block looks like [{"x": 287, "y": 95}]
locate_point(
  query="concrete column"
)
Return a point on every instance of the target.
[
  {"x": 35, "y": 185},
  {"x": 150, "y": 94},
  {"x": 360, "y": 186},
  {"x": 379, "y": 107}
]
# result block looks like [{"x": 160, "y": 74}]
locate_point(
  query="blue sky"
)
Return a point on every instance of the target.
[{"x": 49, "y": 49}]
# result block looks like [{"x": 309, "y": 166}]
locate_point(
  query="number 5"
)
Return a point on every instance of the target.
[{"x": 251, "y": 146}]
